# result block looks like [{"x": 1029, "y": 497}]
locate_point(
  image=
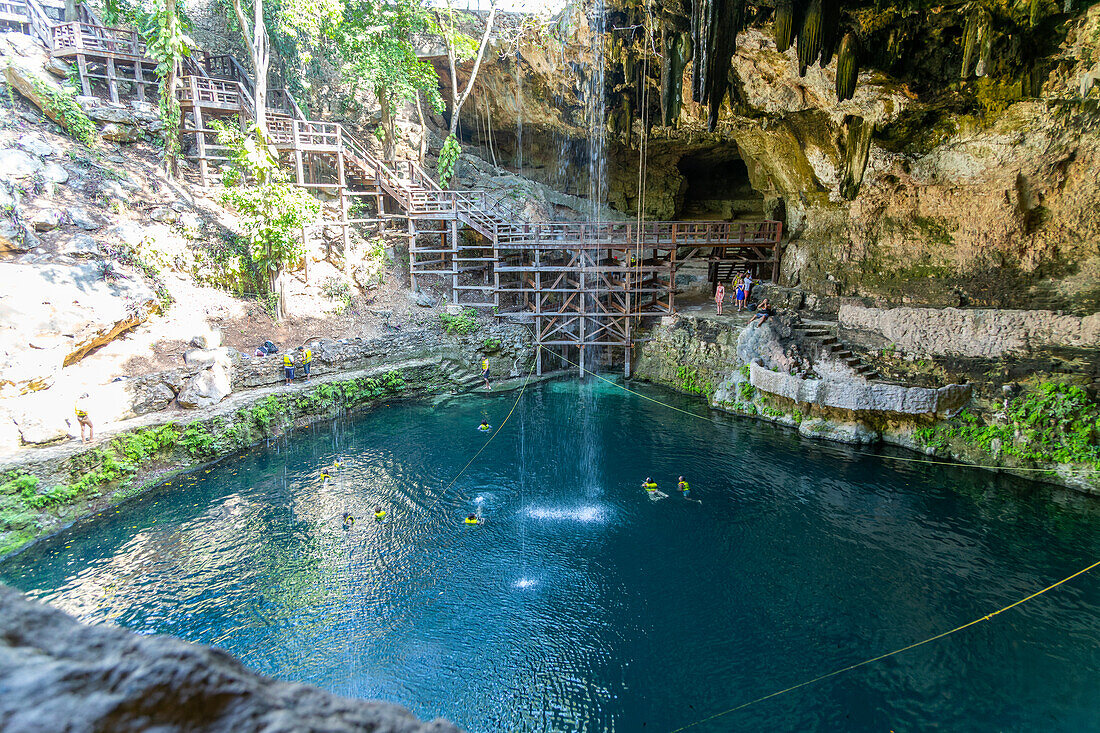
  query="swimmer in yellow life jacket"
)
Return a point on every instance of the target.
[
  {"x": 484, "y": 426},
  {"x": 349, "y": 520},
  {"x": 651, "y": 491},
  {"x": 379, "y": 514},
  {"x": 474, "y": 519},
  {"x": 683, "y": 486}
]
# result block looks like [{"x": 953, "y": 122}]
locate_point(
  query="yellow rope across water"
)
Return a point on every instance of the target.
[
  {"x": 862, "y": 453},
  {"x": 880, "y": 657}
]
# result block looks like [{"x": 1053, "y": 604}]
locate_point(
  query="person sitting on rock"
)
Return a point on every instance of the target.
[{"x": 762, "y": 312}]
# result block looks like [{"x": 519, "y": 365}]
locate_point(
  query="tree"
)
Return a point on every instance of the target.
[
  {"x": 272, "y": 210},
  {"x": 375, "y": 42},
  {"x": 258, "y": 44},
  {"x": 167, "y": 45},
  {"x": 459, "y": 47}
]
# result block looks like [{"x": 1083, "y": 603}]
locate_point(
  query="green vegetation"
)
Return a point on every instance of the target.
[
  {"x": 61, "y": 104},
  {"x": 272, "y": 210},
  {"x": 746, "y": 391},
  {"x": 448, "y": 156},
  {"x": 691, "y": 380},
  {"x": 338, "y": 291},
  {"x": 491, "y": 345},
  {"x": 1058, "y": 423},
  {"x": 462, "y": 324}
]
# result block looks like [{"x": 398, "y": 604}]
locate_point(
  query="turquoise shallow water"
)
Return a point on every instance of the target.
[{"x": 583, "y": 605}]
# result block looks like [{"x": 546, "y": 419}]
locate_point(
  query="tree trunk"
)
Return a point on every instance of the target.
[
  {"x": 70, "y": 10},
  {"x": 423, "y": 129},
  {"x": 256, "y": 40},
  {"x": 387, "y": 123},
  {"x": 168, "y": 86},
  {"x": 260, "y": 62},
  {"x": 458, "y": 101}
]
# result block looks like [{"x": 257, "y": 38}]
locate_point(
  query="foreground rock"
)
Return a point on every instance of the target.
[{"x": 57, "y": 675}]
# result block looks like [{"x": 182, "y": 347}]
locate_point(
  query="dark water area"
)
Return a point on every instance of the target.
[{"x": 583, "y": 604}]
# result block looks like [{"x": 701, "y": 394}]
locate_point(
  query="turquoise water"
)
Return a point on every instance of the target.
[{"x": 581, "y": 604}]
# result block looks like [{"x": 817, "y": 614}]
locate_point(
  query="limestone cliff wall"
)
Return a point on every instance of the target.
[
  {"x": 59, "y": 675},
  {"x": 927, "y": 187},
  {"x": 973, "y": 332}
]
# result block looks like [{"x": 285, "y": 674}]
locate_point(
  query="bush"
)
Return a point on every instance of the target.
[{"x": 462, "y": 324}]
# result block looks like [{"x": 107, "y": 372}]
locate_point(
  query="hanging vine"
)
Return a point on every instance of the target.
[
  {"x": 167, "y": 45},
  {"x": 448, "y": 156}
]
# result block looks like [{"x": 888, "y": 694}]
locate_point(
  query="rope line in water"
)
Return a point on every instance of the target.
[
  {"x": 850, "y": 667},
  {"x": 861, "y": 453}
]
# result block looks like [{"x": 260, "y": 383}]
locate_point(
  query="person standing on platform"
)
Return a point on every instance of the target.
[
  {"x": 485, "y": 373},
  {"x": 719, "y": 296},
  {"x": 288, "y": 369}
]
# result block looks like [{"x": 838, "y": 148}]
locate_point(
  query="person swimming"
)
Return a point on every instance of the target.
[
  {"x": 379, "y": 514},
  {"x": 484, "y": 426},
  {"x": 651, "y": 491},
  {"x": 474, "y": 519},
  {"x": 682, "y": 485},
  {"x": 349, "y": 520}
]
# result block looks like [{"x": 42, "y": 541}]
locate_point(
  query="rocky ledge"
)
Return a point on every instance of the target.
[{"x": 58, "y": 675}]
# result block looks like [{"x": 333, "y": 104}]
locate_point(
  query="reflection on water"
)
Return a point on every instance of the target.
[{"x": 581, "y": 605}]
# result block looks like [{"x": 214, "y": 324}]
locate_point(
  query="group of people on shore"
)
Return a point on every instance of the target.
[{"x": 742, "y": 290}]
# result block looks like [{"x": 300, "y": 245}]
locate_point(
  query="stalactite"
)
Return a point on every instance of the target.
[
  {"x": 985, "y": 47},
  {"x": 784, "y": 24},
  {"x": 677, "y": 49},
  {"x": 830, "y": 30},
  {"x": 809, "y": 36},
  {"x": 847, "y": 67},
  {"x": 857, "y": 150},
  {"x": 977, "y": 19},
  {"x": 714, "y": 27},
  {"x": 1035, "y": 13}
]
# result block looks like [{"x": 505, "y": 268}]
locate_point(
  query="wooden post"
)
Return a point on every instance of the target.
[
  {"x": 412, "y": 256},
  {"x": 298, "y": 172},
  {"x": 112, "y": 79},
  {"x": 538, "y": 312},
  {"x": 139, "y": 81},
  {"x": 343, "y": 204},
  {"x": 776, "y": 257},
  {"x": 454, "y": 259},
  {"x": 200, "y": 137}
]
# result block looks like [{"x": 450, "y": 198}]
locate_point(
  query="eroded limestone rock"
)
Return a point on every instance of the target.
[
  {"x": 58, "y": 675},
  {"x": 208, "y": 387}
]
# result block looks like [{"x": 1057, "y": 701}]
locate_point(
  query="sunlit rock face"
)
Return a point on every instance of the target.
[{"x": 928, "y": 186}]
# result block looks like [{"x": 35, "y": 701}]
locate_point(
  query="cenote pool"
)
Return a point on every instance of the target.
[{"x": 583, "y": 605}]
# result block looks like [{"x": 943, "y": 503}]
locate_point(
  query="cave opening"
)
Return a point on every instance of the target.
[{"x": 717, "y": 187}]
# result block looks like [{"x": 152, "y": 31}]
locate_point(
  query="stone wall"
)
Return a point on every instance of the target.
[
  {"x": 971, "y": 333},
  {"x": 59, "y": 675},
  {"x": 748, "y": 371},
  {"x": 852, "y": 394}
]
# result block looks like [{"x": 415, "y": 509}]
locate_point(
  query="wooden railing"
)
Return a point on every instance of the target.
[
  {"x": 207, "y": 92},
  {"x": 281, "y": 100},
  {"x": 225, "y": 66},
  {"x": 84, "y": 38},
  {"x": 663, "y": 234},
  {"x": 41, "y": 22}
]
